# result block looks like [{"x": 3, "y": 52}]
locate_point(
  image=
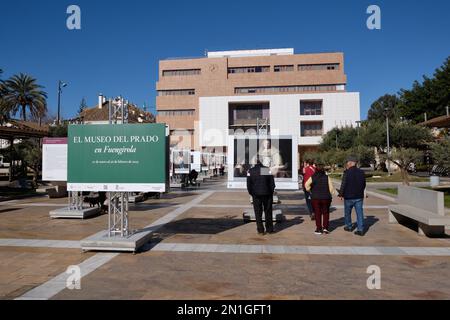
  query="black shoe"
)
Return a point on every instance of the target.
[
  {"x": 325, "y": 231},
  {"x": 271, "y": 232},
  {"x": 313, "y": 218},
  {"x": 359, "y": 233},
  {"x": 348, "y": 229},
  {"x": 318, "y": 232}
]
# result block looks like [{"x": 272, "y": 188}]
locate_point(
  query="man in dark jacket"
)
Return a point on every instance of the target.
[
  {"x": 352, "y": 190},
  {"x": 261, "y": 186}
]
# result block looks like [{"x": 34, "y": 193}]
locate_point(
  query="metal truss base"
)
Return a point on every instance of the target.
[
  {"x": 103, "y": 242},
  {"x": 67, "y": 213}
]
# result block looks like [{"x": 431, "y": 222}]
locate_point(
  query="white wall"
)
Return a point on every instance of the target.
[
  {"x": 250, "y": 53},
  {"x": 339, "y": 109}
]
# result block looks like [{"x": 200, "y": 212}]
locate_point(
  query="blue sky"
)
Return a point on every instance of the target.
[{"x": 118, "y": 49}]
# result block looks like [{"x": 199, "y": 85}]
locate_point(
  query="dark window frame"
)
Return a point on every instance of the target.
[
  {"x": 310, "y": 131},
  {"x": 307, "y": 107}
]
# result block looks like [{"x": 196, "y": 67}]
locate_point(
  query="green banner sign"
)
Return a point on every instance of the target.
[{"x": 119, "y": 158}]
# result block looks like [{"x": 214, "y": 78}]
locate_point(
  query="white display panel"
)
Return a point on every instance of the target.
[
  {"x": 205, "y": 161},
  {"x": 279, "y": 153},
  {"x": 54, "y": 159},
  {"x": 181, "y": 161},
  {"x": 196, "y": 161}
]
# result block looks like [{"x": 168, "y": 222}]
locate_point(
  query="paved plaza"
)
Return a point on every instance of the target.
[{"x": 202, "y": 249}]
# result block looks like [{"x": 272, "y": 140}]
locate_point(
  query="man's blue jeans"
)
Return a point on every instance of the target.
[{"x": 348, "y": 207}]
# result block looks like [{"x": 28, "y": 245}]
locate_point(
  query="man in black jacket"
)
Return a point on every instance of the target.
[
  {"x": 261, "y": 186},
  {"x": 352, "y": 190}
]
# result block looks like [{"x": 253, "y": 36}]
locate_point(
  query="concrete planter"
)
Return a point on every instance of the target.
[{"x": 435, "y": 181}]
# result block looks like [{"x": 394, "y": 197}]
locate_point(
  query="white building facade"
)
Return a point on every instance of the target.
[{"x": 306, "y": 116}]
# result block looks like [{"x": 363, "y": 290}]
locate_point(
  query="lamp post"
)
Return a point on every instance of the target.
[
  {"x": 337, "y": 145},
  {"x": 386, "y": 110},
  {"x": 358, "y": 123},
  {"x": 61, "y": 85}
]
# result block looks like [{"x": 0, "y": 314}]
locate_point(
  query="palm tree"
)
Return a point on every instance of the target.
[
  {"x": 4, "y": 110},
  {"x": 22, "y": 93}
]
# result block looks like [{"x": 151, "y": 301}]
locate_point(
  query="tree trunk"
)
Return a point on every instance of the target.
[
  {"x": 405, "y": 176},
  {"x": 24, "y": 113},
  {"x": 35, "y": 178}
]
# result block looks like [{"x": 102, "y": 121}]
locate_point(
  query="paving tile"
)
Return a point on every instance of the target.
[
  {"x": 197, "y": 258},
  {"x": 390, "y": 251},
  {"x": 413, "y": 251},
  {"x": 250, "y": 249},
  {"x": 276, "y": 249},
  {"x": 320, "y": 250},
  {"x": 366, "y": 251}
]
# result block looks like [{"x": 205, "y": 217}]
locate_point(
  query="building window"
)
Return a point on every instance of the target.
[
  {"x": 286, "y": 89},
  {"x": 283, "y": 68},
  {"x": 311, "y": 128},
  {"x": 176, "y": 113},
  {"x": 320, "y": 66},
  {"x": 311, "y": 107},
  {"x": 181, "y": 92},
  {"x": 249, "y": 69},
  {"x": 182, "y": 72},
  {"x": 245, "y": 116}
]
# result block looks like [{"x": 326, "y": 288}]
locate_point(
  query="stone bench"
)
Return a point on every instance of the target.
[{"x": 426, "y": 207}]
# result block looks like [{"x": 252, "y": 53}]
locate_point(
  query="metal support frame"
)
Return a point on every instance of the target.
[
  {"x": 118, "y": 201},
  {"x": 75, "y": 201},
  {"x": 118, "y": 214},
  {"x": 118, "y": 111},
  {"x": 262, "y": 126}
]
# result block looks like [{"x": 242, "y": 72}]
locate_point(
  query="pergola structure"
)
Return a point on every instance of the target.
[
  {"x": 16, "y": 129},
  {"x": 439, "y": 122}
]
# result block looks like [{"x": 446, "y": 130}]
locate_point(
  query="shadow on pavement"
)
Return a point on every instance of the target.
[
  {"x": 9, "y": 210},
  {"x": 286, "y": 224},
  {"x": 201, "y": 225},
  {"x": 369, "y": 221}
]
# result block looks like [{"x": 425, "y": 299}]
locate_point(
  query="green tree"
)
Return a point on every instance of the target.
[
  {"x": 339, "y": 138},
  {"x": 402, "y": 134},
  {"x": 403, "y": 157},
  {"x": 407, "y": 142},
  {"x": 366, "y": 155},
  {"x": 440, "y": 152},
  {"x": 58, "y": 131},
  {"x": 83, "y": 106},
  {"x": 377, "y": 110},
  {"x": 430, "y": 97},
  {"x": 331, "y": 158},
  {"x": 30, "y": 152},
  {"x": 373, "y": 134},
  {"x": 23, "y": 93},
  {"x": 4, "y": 109},
  {"x": 312, "y": 156}
]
